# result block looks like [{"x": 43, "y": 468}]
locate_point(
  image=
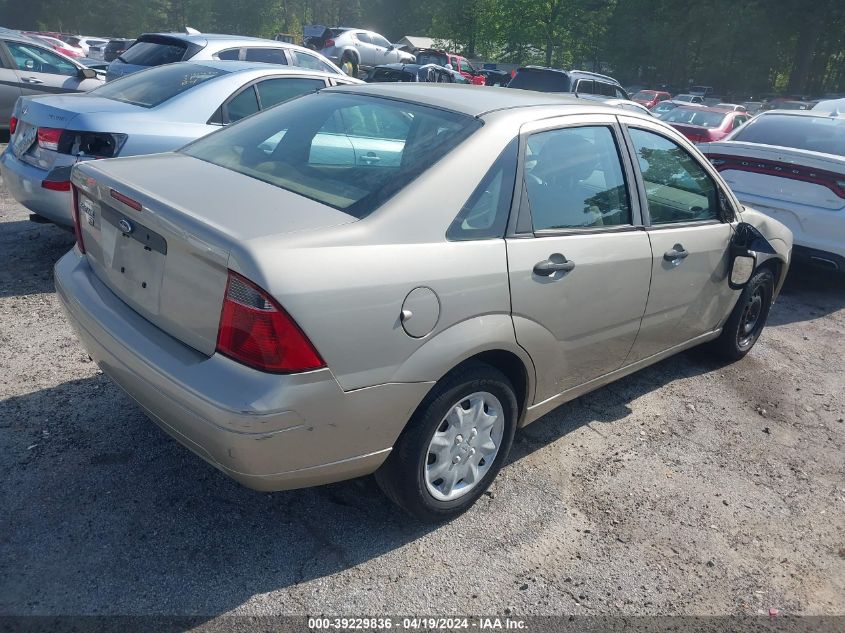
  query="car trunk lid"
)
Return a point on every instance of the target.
[{"x": 159, "y": 230}]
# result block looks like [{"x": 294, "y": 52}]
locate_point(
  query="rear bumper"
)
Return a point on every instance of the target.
[
  {"x": 23, "y": 181},
  {"x": 813, "y": 228},
  {"x": 267, "y": 431},
  {"x": 818, "y": 259}
]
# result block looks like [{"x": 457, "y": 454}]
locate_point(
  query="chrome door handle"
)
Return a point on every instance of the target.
[
  {"x": 370, "y": 158},
  {"x": 31, "y": 80},
  {"x": 676, "y": 253},
  {"x": 549, "y": 267}
]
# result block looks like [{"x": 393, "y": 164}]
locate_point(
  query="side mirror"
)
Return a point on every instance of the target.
[
  {"x": 746, "y": 243},
  {"x": 87, "y": 73}
]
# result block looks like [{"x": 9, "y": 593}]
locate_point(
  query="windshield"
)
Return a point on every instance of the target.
[
  {"x": 541, "y": 80},
  {"x": 350, "y": 152},
  {"x": 694, "y": 117},
  {"x": 155, "y": 52},
  {"x": 432, "y": 57},
  {"x": 152, "y": 87},
  {"x": 816, "y": 134},
  {"x": 644, "y": 95}
]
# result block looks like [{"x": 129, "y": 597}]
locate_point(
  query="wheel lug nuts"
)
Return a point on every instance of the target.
[
  {"x": 456, "y": 459},
  {"x": 459, "y": 438},
  {"x": 472, "y": 451}
]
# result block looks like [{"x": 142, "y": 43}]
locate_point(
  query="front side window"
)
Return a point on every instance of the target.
[
  {"x": 350, "y": 152},
  {"x": 574, "y": 179},
  {"x": 38, "y": 60},
  {"x": 312, "y": 62},
  {"x": 266, "y": 55},
  {"x": 152, "y": 87},
  {"x": 465, "y": 67},
  {"x": 378, "y": 40},
  {"x": 677, "y": 187}
]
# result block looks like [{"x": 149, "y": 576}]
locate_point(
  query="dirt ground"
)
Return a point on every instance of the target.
[{"x": 689, "y": 488}]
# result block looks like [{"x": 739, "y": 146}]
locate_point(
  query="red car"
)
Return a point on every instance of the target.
[
  {"x": 650, "y": 98},
  {"x": 459, "y": 64},
  {"x": 704, "y": 125}
]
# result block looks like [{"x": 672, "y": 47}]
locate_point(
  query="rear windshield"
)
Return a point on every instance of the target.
[
  {"x": 350, "y": 152},
  {"x": 154, "y": 86},
  {"x": 694, "y": 117},
  {"x": 817, "y": 134},
  {"x": 155, "y": 52},
  {"x": 645, "y": 95},
  {"x": 391, "y": 74},
  {"x": 540, "y": 80},
  {"x": 432, "y": 57}
]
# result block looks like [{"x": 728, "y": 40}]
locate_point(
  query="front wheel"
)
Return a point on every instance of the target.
[
  {"x": 453, "y": 446},
  {"x": 349, "y": 66},
  {"x": 748, "y": 318}
]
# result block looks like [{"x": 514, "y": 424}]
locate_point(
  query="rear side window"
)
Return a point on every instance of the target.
[
  {"x": 586, "y": 87},
  {"x": 678, "y": 189},
  {"x": 485, "y": 214},
  {"x": 155, "y": 52},
  {"x": 363, "y": 37},
  {"x": 242, "y": 105},
  {"x": 152, "y": 87},
  {"x": 605, "y": 89},
  {"x": 381, "y": 75},
  {"x": 266, "y": 55},
  {"x": 816, "y": 134},
  {"x": 232, "y": 54},
  {"x": 574, "y": 179},
  {"x": 541, "y": 80},
  {"x": 274, "y": 91},
  {"x": 350, "y": 152}
]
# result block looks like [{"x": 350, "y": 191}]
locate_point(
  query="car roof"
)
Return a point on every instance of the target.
[
  {"x": 819, "y": 114},
  {"x": 217, "y": 37},
  {"x": 580, "y": 73},
  {"x": 238, "y": 67},
  {"x": 468, "y": 99}
]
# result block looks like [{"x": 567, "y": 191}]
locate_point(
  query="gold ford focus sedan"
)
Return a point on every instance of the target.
[{"x": 394, "y": 278}]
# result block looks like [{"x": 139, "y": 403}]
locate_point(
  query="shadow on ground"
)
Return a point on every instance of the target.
[{"x": 808, "y": 293}]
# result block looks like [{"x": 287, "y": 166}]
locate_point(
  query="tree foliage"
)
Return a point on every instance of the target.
[{"x": 747, "y": 46}]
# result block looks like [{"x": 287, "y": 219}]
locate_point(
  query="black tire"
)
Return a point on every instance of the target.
[
  {"x": 402, "y": 476},
  {"x": 748, "y": 318},
  {"x": 349, "y": 65}
]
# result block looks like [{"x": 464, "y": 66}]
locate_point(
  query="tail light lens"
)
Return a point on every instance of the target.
[
  {"x": 56, "y": 185},
  {"x": 49, "y": 138},
  {"x": 91, "y": 144},
  {"x": 256, "y": 331},
  {"x": 77, "y": 227},
  {"x": 13, "y": 124}
]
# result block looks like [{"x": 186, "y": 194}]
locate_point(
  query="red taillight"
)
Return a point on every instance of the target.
[
  {"x": 13, "y": 123},
  {"x": 56, "y": 185},
  {"x": 256, "y": 331},
  {"x": 129, "y": 202},
  {"x": 329, "y": 43},
  {"x": 77, "y": 227},
  {"x": 48, "y": 138}
]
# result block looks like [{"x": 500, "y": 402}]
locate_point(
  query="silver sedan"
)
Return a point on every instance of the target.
[
  {"x": 155, "y": 110},
  {"x": 457, "y": 263}
]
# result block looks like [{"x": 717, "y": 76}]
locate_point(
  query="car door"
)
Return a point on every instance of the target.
[
  {"x": 383, "y": 51},
  {"x": 10, "y": 88},
  {"x": 42, "y": 71},
  {"x": 366, "y": 50},
  {"x": 688, "y": 221},
  {"x": 579, "y": 260}
]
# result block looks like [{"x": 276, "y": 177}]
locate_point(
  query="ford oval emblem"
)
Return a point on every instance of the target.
[{"x": 125, "y": 225}]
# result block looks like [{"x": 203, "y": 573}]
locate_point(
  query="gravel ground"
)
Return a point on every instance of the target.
[{"x": 689, "y": 488}]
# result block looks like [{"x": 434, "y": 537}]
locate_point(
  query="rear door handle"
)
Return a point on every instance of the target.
[
  {"x": 31, "y": 80},
  {"x": 676, "y": 253},
  {"x": 555, "y": 263}
]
